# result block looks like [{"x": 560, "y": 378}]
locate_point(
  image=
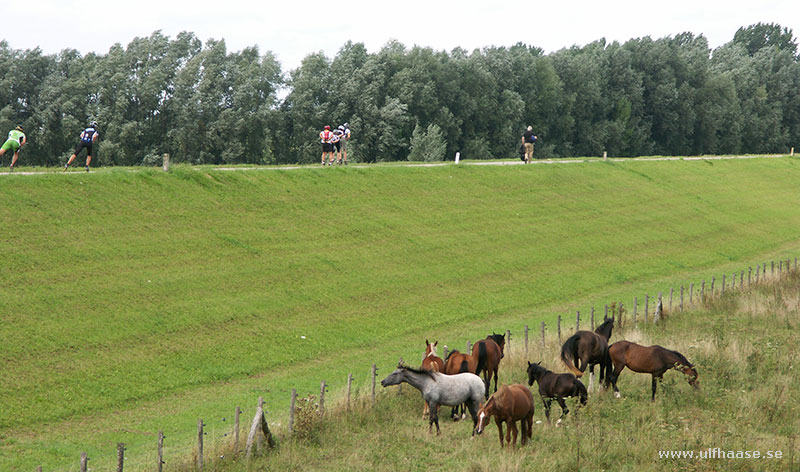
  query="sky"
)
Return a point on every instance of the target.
[{"x": 293, "y": 29}]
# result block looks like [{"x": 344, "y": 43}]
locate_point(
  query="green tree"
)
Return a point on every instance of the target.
[{"x": 427, "y": 145}]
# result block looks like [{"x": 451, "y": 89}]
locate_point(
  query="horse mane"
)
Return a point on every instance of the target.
[
  {"x": 681, "y": 358},
  {"x": 496, "y": 395},
  {"x": 417, "y": 371},
  {"x": 607, "y": 326}
]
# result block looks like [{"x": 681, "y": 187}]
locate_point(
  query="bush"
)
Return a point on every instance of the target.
[{"x": 429, "y": 145}]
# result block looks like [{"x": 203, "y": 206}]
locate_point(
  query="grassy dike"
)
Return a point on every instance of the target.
[{"x": 141, "y": 301}]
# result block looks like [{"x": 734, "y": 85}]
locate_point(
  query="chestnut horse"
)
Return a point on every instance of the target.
[
  {"x": 458, "y": 363},
  {"x": 489, "y": 351},
  {"x": 511, "y": 404},
  {"x": 556, "y": 386},
  {"x": 653, "y": 360},
  {"x": 433, "y": 363},
  {"x": 589, "y": 348}
]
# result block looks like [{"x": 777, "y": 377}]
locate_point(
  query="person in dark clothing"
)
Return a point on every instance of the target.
[{"x": 528, "y": 138}]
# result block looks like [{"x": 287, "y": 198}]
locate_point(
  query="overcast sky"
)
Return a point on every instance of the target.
[{"x": 294, "y": 29}]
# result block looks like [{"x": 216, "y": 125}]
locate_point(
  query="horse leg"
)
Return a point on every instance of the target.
[
  {"x": 546, "y": 402},
  {"x": 473, "y": 411},
  {"x": 617, "y": 370},
  {"x": 433, "y": 409},
  {"x": 653, "y": 396},
  {"x": 495, "y": 379},
  {"x": 563, "y": 405},
  {"x": 425, "y": 410},
  {"x": 487, "y": 381},
  {"x": 499, "y": 424},
  {"x": 512, "y": 429}
]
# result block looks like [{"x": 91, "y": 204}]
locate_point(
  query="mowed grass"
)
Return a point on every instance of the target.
[
  {"x": 139, "y": 301},
  {"x": 743, "y": 344}
]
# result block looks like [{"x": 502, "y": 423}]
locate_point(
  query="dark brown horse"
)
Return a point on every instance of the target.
[
  {"x": 489, "y": 351},
  {"x": 587, "y": 348},
  {"x": 458, "y": 363},
  {"x": 653, "y": 360},
  {"x": 558, "y": 386},
  {"x": 511, "y": 404},
  {"x": 431, "y": 362}
]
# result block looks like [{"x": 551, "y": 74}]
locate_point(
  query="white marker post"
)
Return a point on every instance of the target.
[{"x": 458, "y": 156}]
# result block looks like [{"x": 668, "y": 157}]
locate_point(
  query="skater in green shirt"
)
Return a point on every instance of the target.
[{"x": 16, "y": 139}]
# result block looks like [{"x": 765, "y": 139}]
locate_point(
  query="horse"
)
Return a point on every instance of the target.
[
  {"x": 441, "y": 389},
  {"x": 489, "y": 351},
  {"x": 511, "y": 404},
  {"x": 458, "y": 363},
  {"x": 556, "y": 386},
  {"x": 590, "y": 348},
  {"x": 653, "y": 360},
  {"x": 431, "y": 362}
]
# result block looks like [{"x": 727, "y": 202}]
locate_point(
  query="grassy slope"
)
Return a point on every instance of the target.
[{"x": 140, "y": 301}]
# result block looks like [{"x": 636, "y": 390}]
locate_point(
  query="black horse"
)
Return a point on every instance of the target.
[
  {"x": 558, "y": 386},
  {"x": 587, "y": 348}
]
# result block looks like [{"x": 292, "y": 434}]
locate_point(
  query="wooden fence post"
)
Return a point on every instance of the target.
[
  {"x": 291, "y": 411},
  {"x": 120, "y": 457},
  {"x": 635, "y": 308},
  {"x": 259, "y": 423},
  {"x": 374, "y": 373},
  {"x": 559, "y": 329},
  {"x": 691, "y": 294},
  {"x": 671, "y": 291},
  {"x": 322, "y": 399},
  {"x": 605, "y": 314},
  {"x": 591, "y": 318},
  {"x": 741, "y": 280},
  {"x": 780, "y": 266},
  {"x": 577, "y": 321},
  {"x": 508, "y": 339},
  {"x": 772, "y": 270},
  {"x": 659, "y": 309},
  {"x": 166, "y": 162},
  {"x": 713, "y": 281},
  {"x": 349, "y": 383},
  {"x": 681, "y": 306},
  {"x": 160, "y": 458},
  {"x": 200, "y": 445},
  {"x": 526, "y": 341},
  {"x": 444, "y": 353},
  {"x": 469, "y": 347},
  {"x": 703, "y": 291},
  {"x": 758, "y": 271},
  {"x": 621, "y": 314},
  {"x": 646, "y": 307},
  {"x": 723, "y": 284},
  {"x": 542, "y": 334},
  {"x": 84, "y": 462},
  {"x": 236, "y": 415}
]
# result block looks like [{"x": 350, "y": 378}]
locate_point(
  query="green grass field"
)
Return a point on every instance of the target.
[{"x": 138, "y": 301}]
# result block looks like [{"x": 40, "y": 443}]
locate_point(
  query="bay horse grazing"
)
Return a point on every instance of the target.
[
  {"x": 589, "y": 348},
  {"x": 489, "y": 351},
  {"x": 458, "y": 363},
  {"x": 511, "y": 404},
  {"x": 431, "y": 362},
  {"x": 653, "y": 360},
  {"x": 440, "y": 389},
  {"x": 558, "y": 386}
]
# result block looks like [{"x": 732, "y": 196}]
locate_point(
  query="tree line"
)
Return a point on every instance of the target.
[{"x": 203, "y": 104}]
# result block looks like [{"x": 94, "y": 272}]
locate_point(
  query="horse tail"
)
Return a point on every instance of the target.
[
  {"x": 569, "y": 354},
  {"x": 464, "y": 367},
  {"x": 481, "y": 357},
  {"x": 581, "y": 390}
]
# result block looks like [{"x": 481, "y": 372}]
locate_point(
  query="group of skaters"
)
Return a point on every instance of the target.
[
  {"x": 17, "y": 139},
  {"x": 334, "y": 144}
]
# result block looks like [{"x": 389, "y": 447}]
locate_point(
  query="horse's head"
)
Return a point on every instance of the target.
[
  {"x": 430, "y": 349},
  {"x": 500, "y": 339},
  {"x": 396, "y": 377},
  {"x": 691, "y": 374},
  {"x": 535, "y": 371},
  {"x": 484, "y": 414}
]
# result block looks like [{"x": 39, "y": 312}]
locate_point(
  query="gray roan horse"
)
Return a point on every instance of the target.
[{"x": 440, "y": 389}]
